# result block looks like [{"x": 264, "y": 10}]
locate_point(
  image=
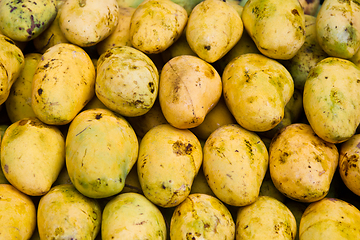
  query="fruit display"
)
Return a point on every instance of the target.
[{"x": 180, "y": 119}]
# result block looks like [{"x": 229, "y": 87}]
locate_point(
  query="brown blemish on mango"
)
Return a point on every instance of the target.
[
  {"x": 349, "y": 162},
  {"x": 180, "y": 148}
]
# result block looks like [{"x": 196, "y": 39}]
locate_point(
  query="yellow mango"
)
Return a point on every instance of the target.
[
  {"x": 235, "y": 162},
  {"x": 63, "y": 83},
  {"x": 64, "y": 213},
  {"x": 127, "y": 81},
  {"x": 189, "y": 88},
  {"x": 267, "y": 218},
  {"x": 213, "y": 28},
  {"x": 18, "y": 103},
  {"x": 256, "y": 90},
  {"x": 201, "y": 216},
  {"x": 18, "y": 214},
  {"x": 331, "y": 100},
  {"x": 166, "y": 173},
  {"x": 101, "y": 148},
  {"x": 32, "y": 155},
  {"x": 87, "y": 22},
  {"x": 277, "y": 28},
  {"x": 302, "y": 164},
  {"x": 132, "y": 216},
  {"x": 156, "y": 25},
  {"x": 12, "y": 61},
  {"x": 330, "y": 218}
]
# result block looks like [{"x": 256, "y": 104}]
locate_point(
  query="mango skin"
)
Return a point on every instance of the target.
[
  {"x": 331, "y": 99},
  {"x": 86, "y": 23},
  {"x": 12, "y": 61},
  {"x": 156, "y": 25},
  {"x": 256, "y": 90},
  {"x": 127, "y": 81},
  {"x": 307, "y": 56},
  {"x": 63, "y": 83},
  {"x": 34, "y": 18},
  {"x": 267, "y": 218},
  {"x": 64, "y": 213},
  {"x": 338, "y": 28},
  {"x": 18, "y": 103},
  {"x": 330, "y": 218},
  {"x": 302, "y": 164},
  {"x": 213, "y": 28},
  {"x": 18, "y": 214},
  {"x": 235, "y": 162},
  {"x": 101, "y": 148},
  {"x": 121, "y": 35},
  {"x": 166, "y": 174},
  {"x": 278, "y": 29},
  {"x": 189, "y": 88},
  {"x": 201, "y": 216},
  {"x": 32, "y": 155},
  {"x": 349, "y": 168},
  {"x": 132, "y": 216}
]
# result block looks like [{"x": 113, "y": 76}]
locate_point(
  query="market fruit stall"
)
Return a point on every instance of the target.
[{"x": 174, "y": 119}]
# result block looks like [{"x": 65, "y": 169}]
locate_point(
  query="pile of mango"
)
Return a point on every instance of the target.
[{"x": 176, "y": 119}]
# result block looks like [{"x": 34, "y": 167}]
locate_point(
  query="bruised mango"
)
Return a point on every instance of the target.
[
  {"x": 169, "y": 159},
  {"x": 25, "y": 20},
  {"x": 201, "y": 216}
]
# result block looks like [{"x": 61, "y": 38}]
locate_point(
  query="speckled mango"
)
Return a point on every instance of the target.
[
  {"x": 338, "y": 28},
  {"x": 202, "y": 216},
  {"x": 101, "y": 148},
  {"x": 12, "y": 61},
  {"x": 156, "y": 24},
  {"x": 25, "y": 20},
  {"x": 127, "y": 81},
  {"x": 277, "y": 28},
  {"x": 235, "y": 162},
  {"x": 131, "y": 216},
  {"x": 169, "y": 159},
  {"x": 256, "y": 90},
  {"x": 349, "y": 164},
  {"x": 267, "y": 218},
  {"x": 18, "y": 214},
  {"x": 330, "y": 218},
  {"x": 32, "y": 155},
  {"x": 213, "y": 28},
  {"x": 302, "y": 164},
  {"x": 63, "y": 83},
  {"x": 64, "y": 213},
  {"x": 331, "y": 100}
]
